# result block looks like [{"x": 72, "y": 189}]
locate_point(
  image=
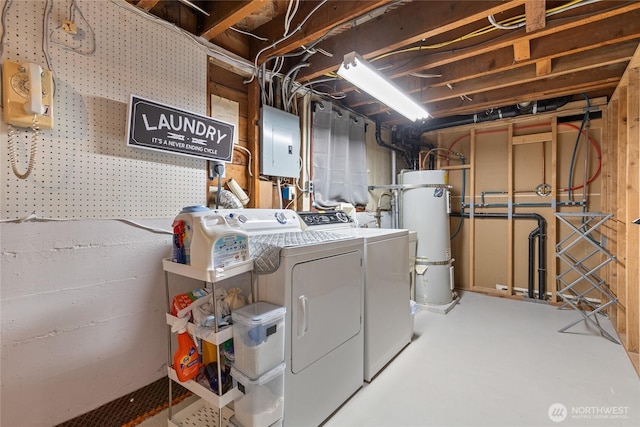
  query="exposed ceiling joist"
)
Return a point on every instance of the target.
[
  {"x": 401, "y": 27},
  {"x": 497, "y": 56},
  {"x": 457, "y": 57},
  {"x": 326, "y": 17},
  {"x": 147, "y": 4},
  {"x": 532, "y": 91},
  {"x": 225, "y": 14},
  {"x": 536, "y": 15}
]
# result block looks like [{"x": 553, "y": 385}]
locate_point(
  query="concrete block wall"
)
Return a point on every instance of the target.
[{"x": 82, "y": 297}]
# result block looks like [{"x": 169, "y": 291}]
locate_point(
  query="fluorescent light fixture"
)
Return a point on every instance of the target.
[{"x": 361, "y": 74}]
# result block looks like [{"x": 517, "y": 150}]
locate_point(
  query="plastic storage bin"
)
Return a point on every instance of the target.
[
  {"x": 260, "y": 402},
  {"x": 258, "y": 338}
]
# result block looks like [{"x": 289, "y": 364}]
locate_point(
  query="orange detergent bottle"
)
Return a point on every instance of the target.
[{"x": 186, "y": 359}]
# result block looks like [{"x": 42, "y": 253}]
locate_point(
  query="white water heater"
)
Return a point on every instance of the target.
[{"x": 425, "y": 208}]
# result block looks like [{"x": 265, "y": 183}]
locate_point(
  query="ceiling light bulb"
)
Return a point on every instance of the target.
[{"x": 361, "y": 74}]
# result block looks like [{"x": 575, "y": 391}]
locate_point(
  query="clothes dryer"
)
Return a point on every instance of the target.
[
  {"x": 387, "y": 286},
  {"x": 318, "y": 277}
]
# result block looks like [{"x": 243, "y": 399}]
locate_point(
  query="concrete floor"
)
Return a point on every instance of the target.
[{"x": 497, "y": 362}]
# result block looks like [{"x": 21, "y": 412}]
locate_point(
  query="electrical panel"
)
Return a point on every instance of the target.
[{"x": 279, "y": 143}]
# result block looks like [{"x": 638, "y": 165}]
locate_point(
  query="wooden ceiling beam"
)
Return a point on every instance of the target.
[
  {"x": 147, "y": 4},
  {"x": 474, "y": 69},
  {"x": 234, "y": 42},
  {"x": 225, "y": 14},
  {"x": 401, "y": 27},
  {"x": 580, "y": 63},
  {"x": 615, "y": 30},
  {"x": 618, "y": 25},
  {"x": 584, "y": 62},
  {"x": 543, "y": 67},
  {"x": 535, "y": 11},
  {"x": 568, "y": 84},
  {"x": 324, "y": 19},
  {"x": 521, "y": 50},
  {"x": 624, "y": 80}
]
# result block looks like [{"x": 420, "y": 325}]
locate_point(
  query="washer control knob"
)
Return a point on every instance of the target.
[
  {"x": 281, "y": 217},
  {"x": 342, "y": 216}
]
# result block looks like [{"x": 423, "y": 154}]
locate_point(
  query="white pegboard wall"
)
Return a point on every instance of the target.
[{"x": 83, "y": 167}]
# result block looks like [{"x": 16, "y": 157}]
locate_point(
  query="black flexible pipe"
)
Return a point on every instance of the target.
[{"x": 539, "y": 232}]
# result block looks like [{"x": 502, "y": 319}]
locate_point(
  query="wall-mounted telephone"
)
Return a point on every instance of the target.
[
  {"x": 27, "y": 95},
  {"x": 27, "y": 91}
]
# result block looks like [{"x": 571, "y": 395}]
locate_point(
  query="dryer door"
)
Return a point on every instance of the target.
[{"x": 326, "y": 306}]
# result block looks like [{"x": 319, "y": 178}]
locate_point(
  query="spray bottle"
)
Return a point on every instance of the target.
[{"x": 186, "y": 359}]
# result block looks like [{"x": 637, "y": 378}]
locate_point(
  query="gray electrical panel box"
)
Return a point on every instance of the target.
[{"x": 279, "y": 143}]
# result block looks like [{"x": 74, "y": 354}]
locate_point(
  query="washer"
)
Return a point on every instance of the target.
[
  {"x": 321, "y": 286},
  {"x": 387, "y": 286}
]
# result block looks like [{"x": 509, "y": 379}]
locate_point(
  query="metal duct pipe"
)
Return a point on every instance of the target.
[{"x": 539, "y": 232}]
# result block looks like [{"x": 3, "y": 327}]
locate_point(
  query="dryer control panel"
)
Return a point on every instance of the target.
[
  {"x": 263, "y": 221},
  {"x": 325, "y": 220}
]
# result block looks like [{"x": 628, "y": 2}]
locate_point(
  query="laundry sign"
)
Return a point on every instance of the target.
[{"x": 161, "y": 127}]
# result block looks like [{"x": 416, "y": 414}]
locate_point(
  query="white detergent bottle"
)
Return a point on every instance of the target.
[
  {"x": 183, "y": 232},
  {"x": 217, "y": 241}
]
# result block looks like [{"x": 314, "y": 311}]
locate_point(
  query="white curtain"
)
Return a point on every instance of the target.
[{"x": 339, "y": 157}]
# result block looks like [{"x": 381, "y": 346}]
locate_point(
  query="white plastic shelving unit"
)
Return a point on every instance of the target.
[
  {"x": 201, "y": 413},
  {"x": 211, "y": 409},
  {"x": 210, "y": 276}
]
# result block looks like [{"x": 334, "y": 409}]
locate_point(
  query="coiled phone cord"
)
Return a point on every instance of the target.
[{"x": 32, "y": 154}]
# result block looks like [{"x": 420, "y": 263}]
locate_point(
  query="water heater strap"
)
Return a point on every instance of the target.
[
  {"x": 423, "y": 261},
  {"x": 510, "y": 209},
  {"x": 413, "y": 186},
  {"x": 420, "y": 269}
]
